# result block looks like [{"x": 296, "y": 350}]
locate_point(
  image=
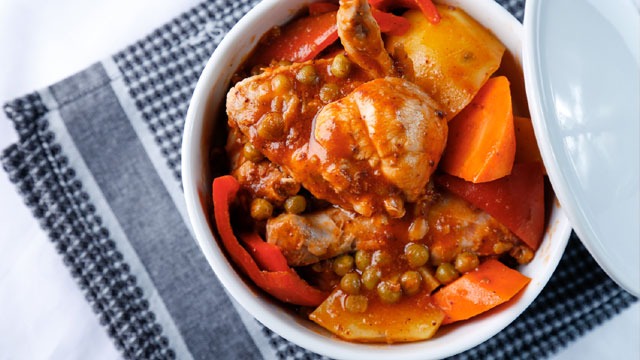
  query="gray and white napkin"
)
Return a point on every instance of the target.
[{"x": 98, "y": 163}]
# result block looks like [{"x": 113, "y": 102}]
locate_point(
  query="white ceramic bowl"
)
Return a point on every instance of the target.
[{"x": 203, "y": 113}]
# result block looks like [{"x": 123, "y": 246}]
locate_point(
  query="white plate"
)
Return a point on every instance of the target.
[{"x": 582, "y": 70}]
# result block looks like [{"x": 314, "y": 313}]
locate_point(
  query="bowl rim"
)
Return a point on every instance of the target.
[{"x": 272, "y": 315}]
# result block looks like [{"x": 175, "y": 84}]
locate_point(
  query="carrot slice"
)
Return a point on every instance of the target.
[
  {"x": 517, "y": 200},
  {"x": 490, "y": 285},
  {"x": 482, "y": 144}
]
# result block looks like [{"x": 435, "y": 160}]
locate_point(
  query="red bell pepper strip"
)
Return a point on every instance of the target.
[
  {"x": 318, "y": 8},
  {"x": 516, "y": 200},
  {"x": 300, "y": 40},
  {"x": 268, "y": 256},
  {"x": 285, "y": 285},
  {"x": 387, "y": 5},
  {"x": 429, "y": 10},
  {"x": 426, "y": 7},
  {"x": 389, "y": 23}
]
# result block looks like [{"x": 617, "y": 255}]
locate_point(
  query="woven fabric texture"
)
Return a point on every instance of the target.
[{"x": 56, "y": 197}]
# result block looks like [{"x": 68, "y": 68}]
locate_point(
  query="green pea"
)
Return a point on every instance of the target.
[
  {"x": 416, "y": 254},
  {"x": 261, "y": 209},
  {"x": 356, "y": 303},
  {"x": 446, "y": 273},
  {"x": 370, "y": 277},
  {"x": 329, "y": 92},
  {"x": 251, "y": 153},
  {"x": 271, "y": 126},
  {"x": 466, "y": 261},
  {"x": 295, "y": 204},
  {"x": 350, "y": 283},
  {"x": 343, "y": 264},
  {"x": 307, "y": 75},
  {"x": 410, "y": 282},
  {"x": 363, "y": 260},
  {"x": 281, "y": 84},
  {"x": 389, "y": 292},
  {"x": 340, "y": 66}
]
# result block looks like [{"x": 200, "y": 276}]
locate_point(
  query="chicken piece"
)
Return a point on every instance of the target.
[
  {"x": 266, "y": 180},
  {"x": 262, "y": 179},
  {"x": 456, "y": 226},
  {"x": 274, "y": 108},
  {"x": 452, "y": 226},
  {"x": 360, "y": 35},
  {"x": 384, "y": 137},
  {"x": 369, "y": 152},
  {"x": 307, "y": 239}
]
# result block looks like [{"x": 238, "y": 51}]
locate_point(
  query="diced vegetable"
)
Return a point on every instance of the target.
[
  {"x": 481, "y": 144},
  {"x": 526, "y": 145},
  {"x": 517, "y": 200},
  {"x": 451, "y": 60},
  {"x": 277, "y": 279},
  {"x": 411, "y": 319},
  {"x": 478, "y": 291}
]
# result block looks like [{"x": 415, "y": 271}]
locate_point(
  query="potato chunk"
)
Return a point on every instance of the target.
[
  {"x": 413, "y": 318},
  {"x": 450, "y": 60}
]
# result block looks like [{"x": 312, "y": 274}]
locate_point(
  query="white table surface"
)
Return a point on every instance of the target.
[{"x": 43, "y": 314}]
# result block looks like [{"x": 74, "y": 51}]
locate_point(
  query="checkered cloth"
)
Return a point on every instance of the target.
[{"x": 98, "y": 162}]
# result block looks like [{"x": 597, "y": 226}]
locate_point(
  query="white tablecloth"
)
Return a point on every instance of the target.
[{"x": 43, "y": 314}]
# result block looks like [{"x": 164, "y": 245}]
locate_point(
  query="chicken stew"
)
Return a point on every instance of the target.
[{"x": 372, "y": 176}]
